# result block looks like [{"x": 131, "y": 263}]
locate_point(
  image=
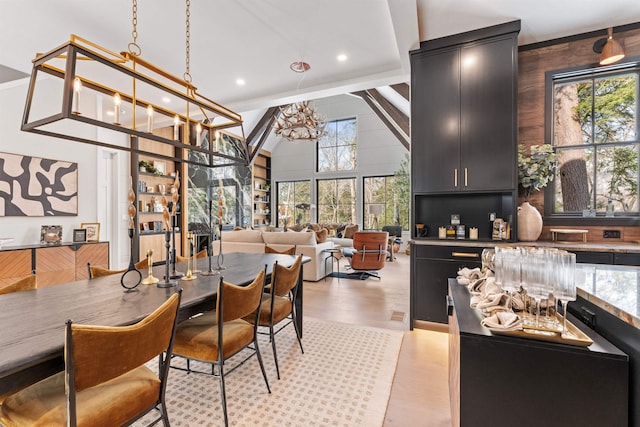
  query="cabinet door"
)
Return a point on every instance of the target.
[
  {"x": 431, "y": 289},
  {"x": 95, "y": 253},
  {"x": 55, "y": 265},
  {"x": 435, "y": 121},
  {"x": 488, "y": 115}
]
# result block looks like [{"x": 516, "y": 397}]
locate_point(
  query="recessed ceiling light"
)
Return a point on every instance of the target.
[
  {"x": 342, "y": 57},
  {"x": 110, "y": 113},
  {"x": 240, "y": 82},
  {"x": 166, "y": 99}
]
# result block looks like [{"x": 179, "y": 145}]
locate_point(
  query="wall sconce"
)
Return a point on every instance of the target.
[
  {"x": 610, "y": 50},
  {"x": 106, "y": 95}
]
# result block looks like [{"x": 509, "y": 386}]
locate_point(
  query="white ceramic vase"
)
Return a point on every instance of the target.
[{"x": 529, "y": 223}]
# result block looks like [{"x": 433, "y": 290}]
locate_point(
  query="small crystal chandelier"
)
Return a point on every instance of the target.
[{"x": 299, "y": 122}]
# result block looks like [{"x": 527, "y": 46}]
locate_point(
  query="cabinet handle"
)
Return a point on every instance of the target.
[
  {"x": 465, "y": 254},
  {"x": 455, "y": 177},
  {"x": 465, "y": 177}
]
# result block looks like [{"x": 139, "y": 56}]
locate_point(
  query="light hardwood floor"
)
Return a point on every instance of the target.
[{"x": 420, "y": 391}]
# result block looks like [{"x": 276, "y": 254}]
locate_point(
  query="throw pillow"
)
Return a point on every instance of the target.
[
  {"x": 315, "y": 227},
  {"x": 349, "y": 230},
  {"x": 321, "y": 235},
  {"x": 270, "y": 250}
]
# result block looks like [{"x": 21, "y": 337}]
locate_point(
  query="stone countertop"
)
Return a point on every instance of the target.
[
  {"x": 575, "y": 246},
  {"x": 613, "y": 288}
]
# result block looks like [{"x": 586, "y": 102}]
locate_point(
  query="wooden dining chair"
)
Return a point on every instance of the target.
[
  {"x": 24, "y": 284},
  {"x": 199, "y": 255},
  {"x": 217, "y": 335},
  {"x": 94, "y": 272},
  {"x": 277, "y": 305},
  {"x": 105, "y": 381}
]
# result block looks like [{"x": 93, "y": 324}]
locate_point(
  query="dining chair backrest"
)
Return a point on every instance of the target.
[
  {"x": 235, "y": 302},
  {"x": 286, "y": 278},
  {"x": 24, "y": 284},
  {"x": 96, "y": 354}
]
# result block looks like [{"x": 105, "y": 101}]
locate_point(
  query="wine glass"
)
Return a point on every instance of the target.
[
  {"x": 566, "y": 285},
  {"x": 535, "y": 277},
  {"x": 511, "y": 265}
]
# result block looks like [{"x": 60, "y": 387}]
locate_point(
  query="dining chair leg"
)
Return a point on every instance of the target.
[
  {"x": 294, "y": 318},
  {"x": 165, "y": 415},
  {"x": 264, "y": 373},
  {"x": 273, "y": 346},
  {"x": 223, "y": 395}
]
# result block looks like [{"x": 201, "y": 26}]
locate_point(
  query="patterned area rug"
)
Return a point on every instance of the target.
[{"x": 343, "y": 379}]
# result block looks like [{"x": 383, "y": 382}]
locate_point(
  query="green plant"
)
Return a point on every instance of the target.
[
  {"x": 537, "y": 169},
  {"x": 149, "y": 167}
]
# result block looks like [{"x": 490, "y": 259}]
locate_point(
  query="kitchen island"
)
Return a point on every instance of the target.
[{"x": 497, "y": 380}]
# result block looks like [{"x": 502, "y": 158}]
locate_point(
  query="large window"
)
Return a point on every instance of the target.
[
  {"x": 337, "y": 148},
  {"x": 595, "y": 135},
  {"x": 294, "y": 203},
  {"x": 386, "y": 202},
  {"x": 337, "y": 200}
]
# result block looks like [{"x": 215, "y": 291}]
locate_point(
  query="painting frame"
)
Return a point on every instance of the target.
[
  {"x": 93, "y": 231},
  {"x": 160, "y": 166},
  {"x": 79, "y": 235},
  {"x": 50, "y": 234},
  {"x": 37, "y": 187}
]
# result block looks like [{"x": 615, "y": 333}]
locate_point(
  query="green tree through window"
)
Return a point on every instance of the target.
[
  {"x": 595, "y": 134},
  {"x": 337, "y": 147}
]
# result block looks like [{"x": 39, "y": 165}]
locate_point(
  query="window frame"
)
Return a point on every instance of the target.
[
  {"x": 277, "y": 193},
  {"x": 335, "y": 146},
  {"x": 354, "y": 204},
  {"x": 385, "y": 204},
  {"x": 580, "y": 73}
]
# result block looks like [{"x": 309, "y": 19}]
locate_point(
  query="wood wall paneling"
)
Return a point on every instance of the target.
[{"x": 532, "y": 66}]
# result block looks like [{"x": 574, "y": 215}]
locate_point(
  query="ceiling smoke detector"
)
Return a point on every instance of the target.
[{"x": 300, "y": 66}]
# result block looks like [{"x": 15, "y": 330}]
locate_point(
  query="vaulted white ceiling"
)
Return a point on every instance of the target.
[{"x": 257, "y": 40}]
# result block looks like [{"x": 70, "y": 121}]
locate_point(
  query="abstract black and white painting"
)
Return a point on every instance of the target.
[{"x": 32, "y": 186}]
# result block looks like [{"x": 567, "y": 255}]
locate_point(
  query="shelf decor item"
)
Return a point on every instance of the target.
[
  {"x": 131, "y": 278},
  {"x": 167, "y": 283},
  {"x": 175, "y": 195},
  {"x": 93, "y": 230},
  {"x": 534, "y": 173},
  {"x": 150, "y": 280}
]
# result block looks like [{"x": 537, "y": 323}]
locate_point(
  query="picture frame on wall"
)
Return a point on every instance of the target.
[
  {"x": 79, "y": 235},
  {"x": 51, "y": 234},
  {"x": 160, "y": 166},
  {"x": 93, "y": 231}
]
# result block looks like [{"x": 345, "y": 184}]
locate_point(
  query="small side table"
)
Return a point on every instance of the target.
[{"x": 334, "y": 254}]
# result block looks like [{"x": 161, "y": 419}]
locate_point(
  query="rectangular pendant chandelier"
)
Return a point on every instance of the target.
[{"x": 112, "y": 99}]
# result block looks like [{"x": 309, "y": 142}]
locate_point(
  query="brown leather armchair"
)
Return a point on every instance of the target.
[{"x": 369, "y": 252}]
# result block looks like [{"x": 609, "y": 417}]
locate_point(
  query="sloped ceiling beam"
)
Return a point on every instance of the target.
[
  {"x": 395, "y": 120},
  {"x": 260, "y": 132},
  {"x": 402, "y": 89}
]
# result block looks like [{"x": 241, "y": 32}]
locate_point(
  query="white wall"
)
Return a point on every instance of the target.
[
  {"x": 26, "y": 230},
  {"x": 379, "y": 151}
]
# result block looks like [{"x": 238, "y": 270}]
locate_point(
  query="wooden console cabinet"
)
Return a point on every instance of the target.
[
  {"x": 505, "y": 381},
  {"x": 52, "y": 264}
]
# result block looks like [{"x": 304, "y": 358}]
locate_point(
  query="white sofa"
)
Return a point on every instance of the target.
[{"x": 255, "y": 241}]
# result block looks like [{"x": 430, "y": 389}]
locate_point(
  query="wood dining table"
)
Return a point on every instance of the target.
[{"x": 33, "y": 322}]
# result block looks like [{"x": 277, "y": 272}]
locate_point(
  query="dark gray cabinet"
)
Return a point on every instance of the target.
[
  {"x": 464, "y": 112},
  {"x": 435, "y": 124},
  {"x": 431, "y": 268}
]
